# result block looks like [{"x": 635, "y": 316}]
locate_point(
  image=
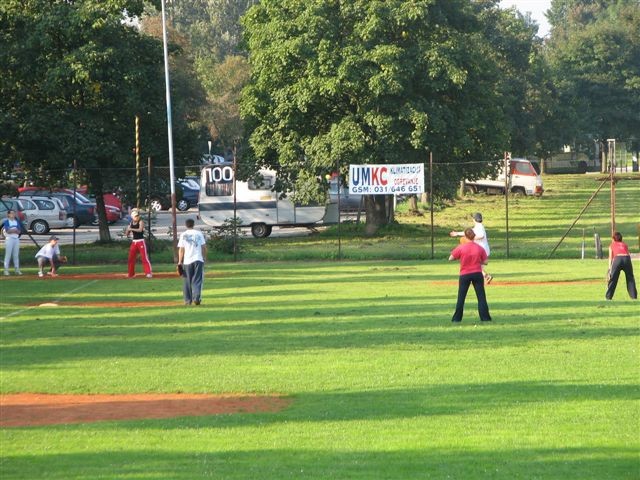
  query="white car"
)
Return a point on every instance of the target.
[{"x": 43, "y": 213}]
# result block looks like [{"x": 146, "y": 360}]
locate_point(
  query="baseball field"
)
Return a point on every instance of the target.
[{"x": 326, "y": 369}]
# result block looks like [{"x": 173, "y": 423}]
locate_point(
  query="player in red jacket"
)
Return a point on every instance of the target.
[{"x": 472, "y": 257}]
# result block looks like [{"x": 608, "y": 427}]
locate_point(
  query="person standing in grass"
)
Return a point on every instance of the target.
[
  {"x": 480, "y": 238},
  {"x": 620, "y": 260},
  {"x": 192, "y": 252},
  {"x": 12, "y": 230},
  {"x": 472, "y": 257},
  {"x": 136, "y": 229}
]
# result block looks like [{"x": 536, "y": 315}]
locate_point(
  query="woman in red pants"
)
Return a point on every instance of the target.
[{"x": 138, "y": 245}]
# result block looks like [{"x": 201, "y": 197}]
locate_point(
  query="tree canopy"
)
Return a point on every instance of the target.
[
  {"x": 73, "y": 76},
  {"x": 594, "y": 55},
  {"x": 336, "y": 82}
]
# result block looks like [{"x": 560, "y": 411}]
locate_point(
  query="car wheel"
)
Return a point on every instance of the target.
[
  {"x": 469, "y": 189},
  {"x": 260, "y": 230},
  {"x": 518, "y": 192},
  {"x": 582, "y": 167},
  {"x": 40, "y": 227},
  {"x": 155, "y": 205},
  {"x": 183, "y": 205}
]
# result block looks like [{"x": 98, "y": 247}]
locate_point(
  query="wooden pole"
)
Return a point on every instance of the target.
[
  {"x": 507, "y": 178},
  {"x": 431, "y": 200},
  {"x": 138, "y": 187}
]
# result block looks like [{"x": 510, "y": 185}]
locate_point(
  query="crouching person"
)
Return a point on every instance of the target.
[{"x": 50, "y": 254}]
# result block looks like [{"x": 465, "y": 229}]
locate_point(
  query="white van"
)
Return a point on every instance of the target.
[
  {"x": 257, "y": 205},
  {"x": 523, "y": 180}
]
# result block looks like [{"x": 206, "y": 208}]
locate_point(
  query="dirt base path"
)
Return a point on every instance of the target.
[{"x": 32, "y": 409}]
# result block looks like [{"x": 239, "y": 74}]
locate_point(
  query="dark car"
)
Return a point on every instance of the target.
[
  {"x": 83, "y": 213},
  {"x": 190, "y": 194}
]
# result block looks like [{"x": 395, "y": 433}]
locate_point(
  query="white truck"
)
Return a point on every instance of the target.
[
  {"x": 523, "y": 180},
  {"x": 257, "y": 206}
]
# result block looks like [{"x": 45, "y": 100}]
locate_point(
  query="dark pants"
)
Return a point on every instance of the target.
[
  {"x": 621, "y": 263},
  {"x": 193, "y": 279},
  {"x": 463, "y": 287}
]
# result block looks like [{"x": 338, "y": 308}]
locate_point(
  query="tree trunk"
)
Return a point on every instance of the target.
[
  {"x": 377, "y": 209},
  {"x": 95, "y": 176},
  {"x": 413, "y": 204}
]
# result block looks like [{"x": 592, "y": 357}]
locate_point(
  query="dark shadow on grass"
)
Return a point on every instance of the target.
[
  {"x": 307, "y": 328},
  {"x": 273, "y": 462}
]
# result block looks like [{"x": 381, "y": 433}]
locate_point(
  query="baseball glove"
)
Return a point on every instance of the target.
[
  {"x": 63, "y": 259},
  {"x": 180, "y": 269}
]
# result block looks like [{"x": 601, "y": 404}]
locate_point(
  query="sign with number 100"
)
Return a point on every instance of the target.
[{"x": 218, "y": 174}]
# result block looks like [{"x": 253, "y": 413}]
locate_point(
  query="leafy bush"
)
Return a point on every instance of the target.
[{"x": 227, "y": 237}]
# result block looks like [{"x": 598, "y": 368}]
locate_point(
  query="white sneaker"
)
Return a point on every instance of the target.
[
  {"x": 149, "y": 275},
  {"x": 18, "y": 272},
  {"x": 6, "y": 273},
  {"x": 40, "y": 274}
]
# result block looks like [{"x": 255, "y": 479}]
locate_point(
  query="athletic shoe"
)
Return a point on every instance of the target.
[
  {"x": 149, "y": 275},
  {"x": 53, "y": 274},
  {"x": 40, "y": 274},
  {"x": 6, "y": 273},
  {"x": 18, "y": 272},
  {"x": 197, "y": 302}
]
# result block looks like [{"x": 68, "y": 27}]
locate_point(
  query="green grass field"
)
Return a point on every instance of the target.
[{"x": 382, "y": 384}]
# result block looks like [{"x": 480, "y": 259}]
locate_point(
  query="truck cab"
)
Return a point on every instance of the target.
[{"x": 524, "y": 179}]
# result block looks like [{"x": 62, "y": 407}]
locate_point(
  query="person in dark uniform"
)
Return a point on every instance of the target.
[
  {"x": 136, "y": 229},
  {"x": 472, "y": 257},
  {"x": 620, "y": 260}
]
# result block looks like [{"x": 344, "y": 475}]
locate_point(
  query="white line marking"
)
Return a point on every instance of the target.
[{"x": 18, "y": 312}]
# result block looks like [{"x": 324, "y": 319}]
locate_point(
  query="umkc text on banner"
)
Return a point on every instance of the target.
[{"x": 386, "y": 179}]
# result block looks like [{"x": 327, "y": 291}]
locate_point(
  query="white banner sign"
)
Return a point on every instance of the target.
[{"x": 386, "y": 179}]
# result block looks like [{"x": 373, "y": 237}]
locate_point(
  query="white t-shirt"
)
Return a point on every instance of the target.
[
  {"x": 192, "y": 242},
  {"x": 479, "y": 230},
  {"x": 48, "y": 251}
]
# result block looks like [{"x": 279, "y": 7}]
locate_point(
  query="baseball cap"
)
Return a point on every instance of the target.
[
  {"x": 53, "y": 237},
  {"x": 477, "y": 217},
  {"x": 135, "y": 212}
]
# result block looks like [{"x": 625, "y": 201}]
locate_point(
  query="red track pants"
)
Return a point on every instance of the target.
[{"x": 138, "y": 246}]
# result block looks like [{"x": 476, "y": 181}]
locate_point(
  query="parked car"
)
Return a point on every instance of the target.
[
  {"x": 12, "y": 204},
  {"x": 349, "y": 202},
  {"x": 43, "y": 213},
  {"x": 186, "y": 197},
  {"x": 190, "y": 193},
  {"x": 78, "y": 207},
  {"x": 112, "y": 204}
]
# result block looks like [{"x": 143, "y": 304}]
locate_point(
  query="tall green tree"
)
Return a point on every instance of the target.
[
  {"x": 74, "y": 74},
  {"x": 362, "y": 81},
  {"x": 594, "y": 54}
]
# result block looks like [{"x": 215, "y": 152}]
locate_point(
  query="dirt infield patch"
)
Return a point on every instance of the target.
[{"x": 33, "y": 409}]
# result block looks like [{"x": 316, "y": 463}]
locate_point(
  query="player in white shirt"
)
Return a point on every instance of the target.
[
  {"x": 192, "y": 252},
  {"x": 50, "y": 254},
  {"x": 480, "y": 238}
]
